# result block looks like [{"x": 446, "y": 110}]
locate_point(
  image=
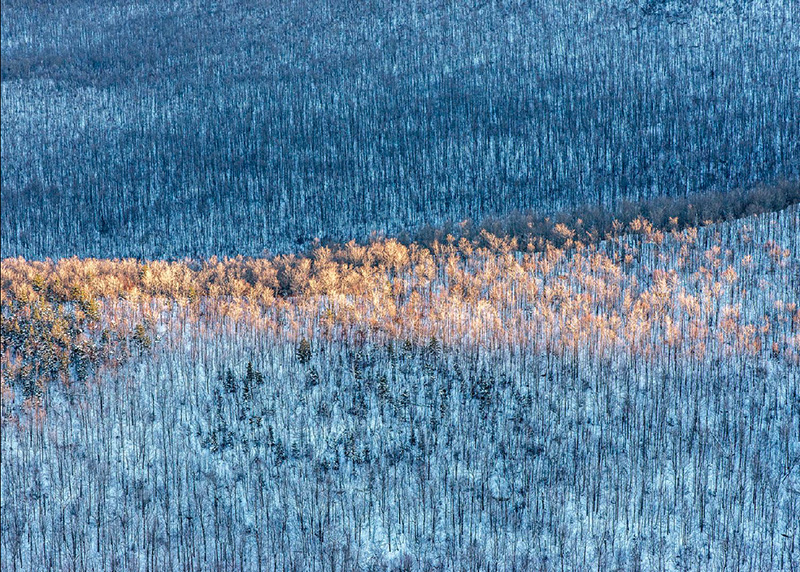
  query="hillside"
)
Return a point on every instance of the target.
[
  {"x": 629, "y": 403},
  {"x": 198, "y": 128}
]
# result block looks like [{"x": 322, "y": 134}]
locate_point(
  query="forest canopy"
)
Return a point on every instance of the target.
[
  {"x": 332, "y": 285},
  {"x": 632, "y": 400},
  {"x": 131, "y": 129}
]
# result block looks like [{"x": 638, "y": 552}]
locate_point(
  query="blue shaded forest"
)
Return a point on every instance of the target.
[{"x": 132, "y": 129}]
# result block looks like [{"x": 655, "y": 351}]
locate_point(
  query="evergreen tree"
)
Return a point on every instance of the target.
[
  {"x": 303, "y": 352},
  {"x": 249, "y": 382},
  {"x": 141, "y": 340},
  {"x": 434, "y": 347},
  {"x": 383, "y": 388},
  {"x": 230, "y": 382}
]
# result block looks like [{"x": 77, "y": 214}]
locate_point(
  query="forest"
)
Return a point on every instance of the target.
[
  {"x": 395, "y": 286},
  {"x": 480, "y": 404},
  {"x": 132, "y": 128}
]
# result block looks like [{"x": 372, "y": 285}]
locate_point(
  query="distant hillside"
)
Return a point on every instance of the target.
[{"x": 194, "y": 128}]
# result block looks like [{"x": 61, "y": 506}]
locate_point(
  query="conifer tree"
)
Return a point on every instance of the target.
[{"x": 303, "y": 352}]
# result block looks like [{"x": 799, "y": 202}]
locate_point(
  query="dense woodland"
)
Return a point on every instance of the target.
[
  {"x": 333, "y": 285},
  {"x": 197, "y": 128},
  {"x": 629, "y": 403}
]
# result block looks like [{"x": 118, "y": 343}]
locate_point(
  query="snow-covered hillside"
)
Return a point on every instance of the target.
[{"x": 632, "y": 404}]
